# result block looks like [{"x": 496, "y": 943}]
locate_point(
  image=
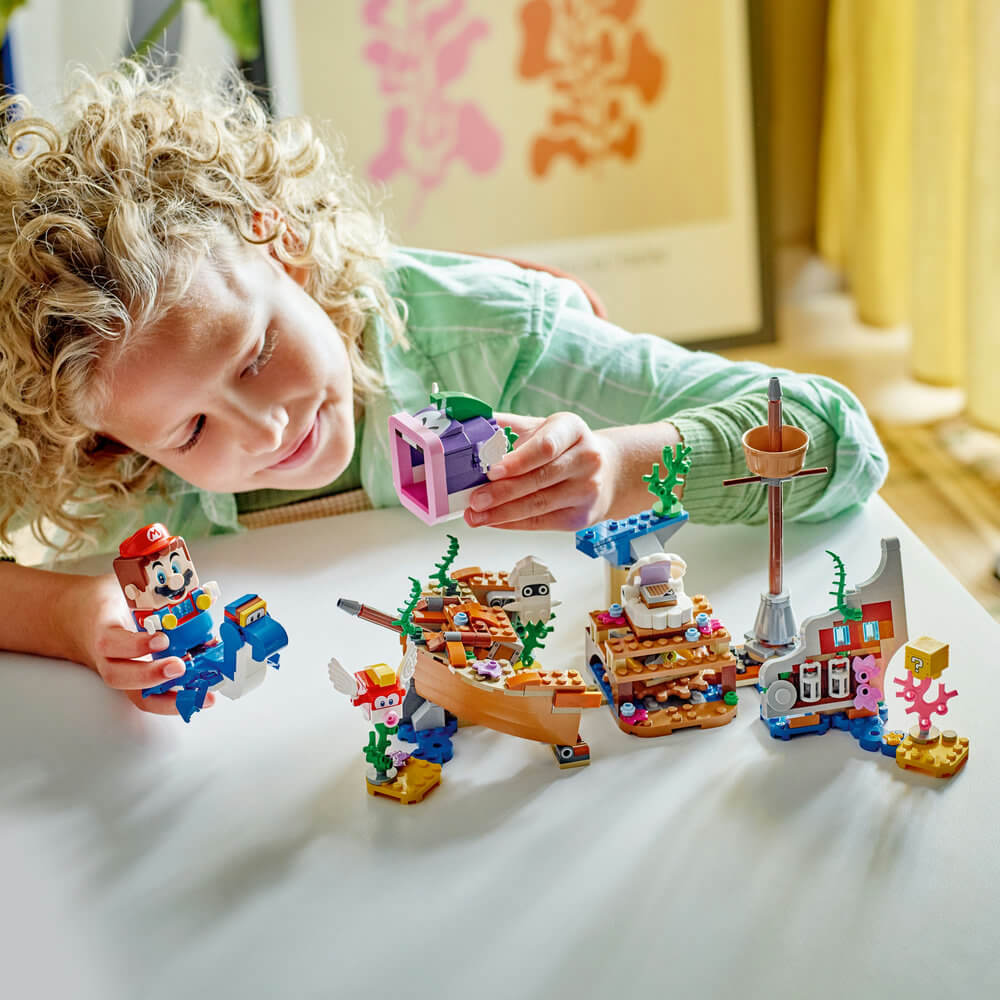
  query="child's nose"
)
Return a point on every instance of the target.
[{"x": 266, "y": 432}]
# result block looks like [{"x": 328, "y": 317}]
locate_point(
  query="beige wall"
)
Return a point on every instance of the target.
[{"x": 794, "y": 41}]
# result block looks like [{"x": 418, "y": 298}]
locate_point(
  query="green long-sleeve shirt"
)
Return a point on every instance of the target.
[{"x": 528, "y": 343}]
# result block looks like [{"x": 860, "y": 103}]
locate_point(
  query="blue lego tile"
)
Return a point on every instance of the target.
[
  {"x": 612, "y": 539},
  {"x": 780, "y": 729},
  {"x": 869, "y": 731}
]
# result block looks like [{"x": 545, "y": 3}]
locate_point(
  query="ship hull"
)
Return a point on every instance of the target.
[{"x": 529, "y": 716}]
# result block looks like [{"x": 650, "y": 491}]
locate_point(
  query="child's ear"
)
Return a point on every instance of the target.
[{"x": 265, "y": 224}]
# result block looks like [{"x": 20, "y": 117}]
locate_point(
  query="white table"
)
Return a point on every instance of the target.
[{"x": 240, "y": 856}]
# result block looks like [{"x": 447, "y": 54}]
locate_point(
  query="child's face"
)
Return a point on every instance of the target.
[{"x": 244, "y": 385}]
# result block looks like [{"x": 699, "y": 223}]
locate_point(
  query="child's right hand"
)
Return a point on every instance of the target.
[{"x": 104, "y": 639}]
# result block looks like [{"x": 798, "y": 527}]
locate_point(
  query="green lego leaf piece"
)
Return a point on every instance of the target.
[
  {"x": 460, "y": 405},
  {"x": 677, "y": 463},
  {"x": 403, "y": 621},
  {"x": 531, "y": 634},
  {"x": 440, "y": 577},
  {"x": 850, "y": 614},
  {"x": 511, "y": 438}
]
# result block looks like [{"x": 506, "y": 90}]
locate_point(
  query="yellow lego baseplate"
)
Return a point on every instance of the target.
[
  {"x": 940, "y": 758},
  {"x": 413, "y": 783}
]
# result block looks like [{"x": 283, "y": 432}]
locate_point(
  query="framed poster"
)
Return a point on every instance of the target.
[{"x": 612, "y": 138}]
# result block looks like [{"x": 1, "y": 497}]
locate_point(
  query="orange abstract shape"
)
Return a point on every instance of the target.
[
  {"x": 598, "y": 65},
  {"x": 645, "y": 68},
  {"x": 621, "y": 10},
  {"x": 536, "y": 20}
]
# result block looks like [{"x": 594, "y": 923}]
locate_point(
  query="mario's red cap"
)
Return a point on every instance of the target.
[{"x": 146, "y": 541}]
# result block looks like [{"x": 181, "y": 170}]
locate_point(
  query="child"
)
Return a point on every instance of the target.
[{"x": 198, "y": 317}]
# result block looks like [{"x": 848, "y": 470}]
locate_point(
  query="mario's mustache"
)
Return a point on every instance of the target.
[{"x": 165, "y": 591}]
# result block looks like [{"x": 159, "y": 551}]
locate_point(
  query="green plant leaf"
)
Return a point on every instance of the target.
[
  {"x": 7, "y": 7},
  {"x": 240, "y": 20}
]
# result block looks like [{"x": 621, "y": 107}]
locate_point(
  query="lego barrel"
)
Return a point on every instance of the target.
[{"x": 775, "y": 464}]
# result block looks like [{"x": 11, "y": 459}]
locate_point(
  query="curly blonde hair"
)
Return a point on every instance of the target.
[{"x": 105, "y": 217}]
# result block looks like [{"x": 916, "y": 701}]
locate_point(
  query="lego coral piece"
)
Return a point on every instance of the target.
[
  {"x": 677, "y": 463},
  {"x": 925, "y": 749},
  {"x": 867, "y": 675},
  {"x": 442, "y": 567}
]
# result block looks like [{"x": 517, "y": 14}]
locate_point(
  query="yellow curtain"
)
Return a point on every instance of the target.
[{"x": 909, "y": 190}]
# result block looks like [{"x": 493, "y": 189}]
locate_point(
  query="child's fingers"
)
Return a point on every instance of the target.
[
  {"x": 568, "y": 519},
  {"x": 504, "y": 491},
  {"x": 162, "y": 704},
  {"x": 563, "y": 495},
  {"x": 117, "y": 643},
  {"x": 519, "y": 424},
  {"x": 134, "y": 675},
  {"x": 557, "y": 434}
]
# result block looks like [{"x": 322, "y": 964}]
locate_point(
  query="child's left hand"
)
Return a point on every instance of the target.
[{"x": 560, "y": 476}]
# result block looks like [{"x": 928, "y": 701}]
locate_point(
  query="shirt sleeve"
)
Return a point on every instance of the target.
[
  {"x": 580, "y": 363},
  {"x": 529, "y": 343}
]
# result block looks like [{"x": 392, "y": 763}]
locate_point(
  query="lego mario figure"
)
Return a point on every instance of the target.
[{"x": 161, "y": 587}]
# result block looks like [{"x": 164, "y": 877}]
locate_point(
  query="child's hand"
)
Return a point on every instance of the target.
[
  {"x": 106, "y": 641},
  {"x": 560, "y": 476}
]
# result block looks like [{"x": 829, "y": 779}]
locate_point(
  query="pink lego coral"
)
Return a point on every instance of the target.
[
  {"x": 868, "y": 676},
  {"x": 913, "y": 691}
]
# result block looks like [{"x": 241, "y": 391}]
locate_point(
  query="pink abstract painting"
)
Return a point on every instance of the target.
[{"x": 419, "y": 50}]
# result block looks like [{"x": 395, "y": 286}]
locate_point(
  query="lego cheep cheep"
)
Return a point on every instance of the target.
[{"x": 441, "y": 453}]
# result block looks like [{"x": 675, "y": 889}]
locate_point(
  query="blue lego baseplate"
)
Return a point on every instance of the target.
[
  {"x": 433, "y": 745},
  {"x": 612, "y": 539},
  {"x": 869, "y": 731}
]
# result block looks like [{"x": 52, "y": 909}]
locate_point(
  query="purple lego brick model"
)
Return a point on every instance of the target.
[{"x": 441, "y": 453}]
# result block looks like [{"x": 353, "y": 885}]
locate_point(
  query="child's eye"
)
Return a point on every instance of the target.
[
  {"x": 195, "y": 434},
  {"x": 266, "y": 350}
]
